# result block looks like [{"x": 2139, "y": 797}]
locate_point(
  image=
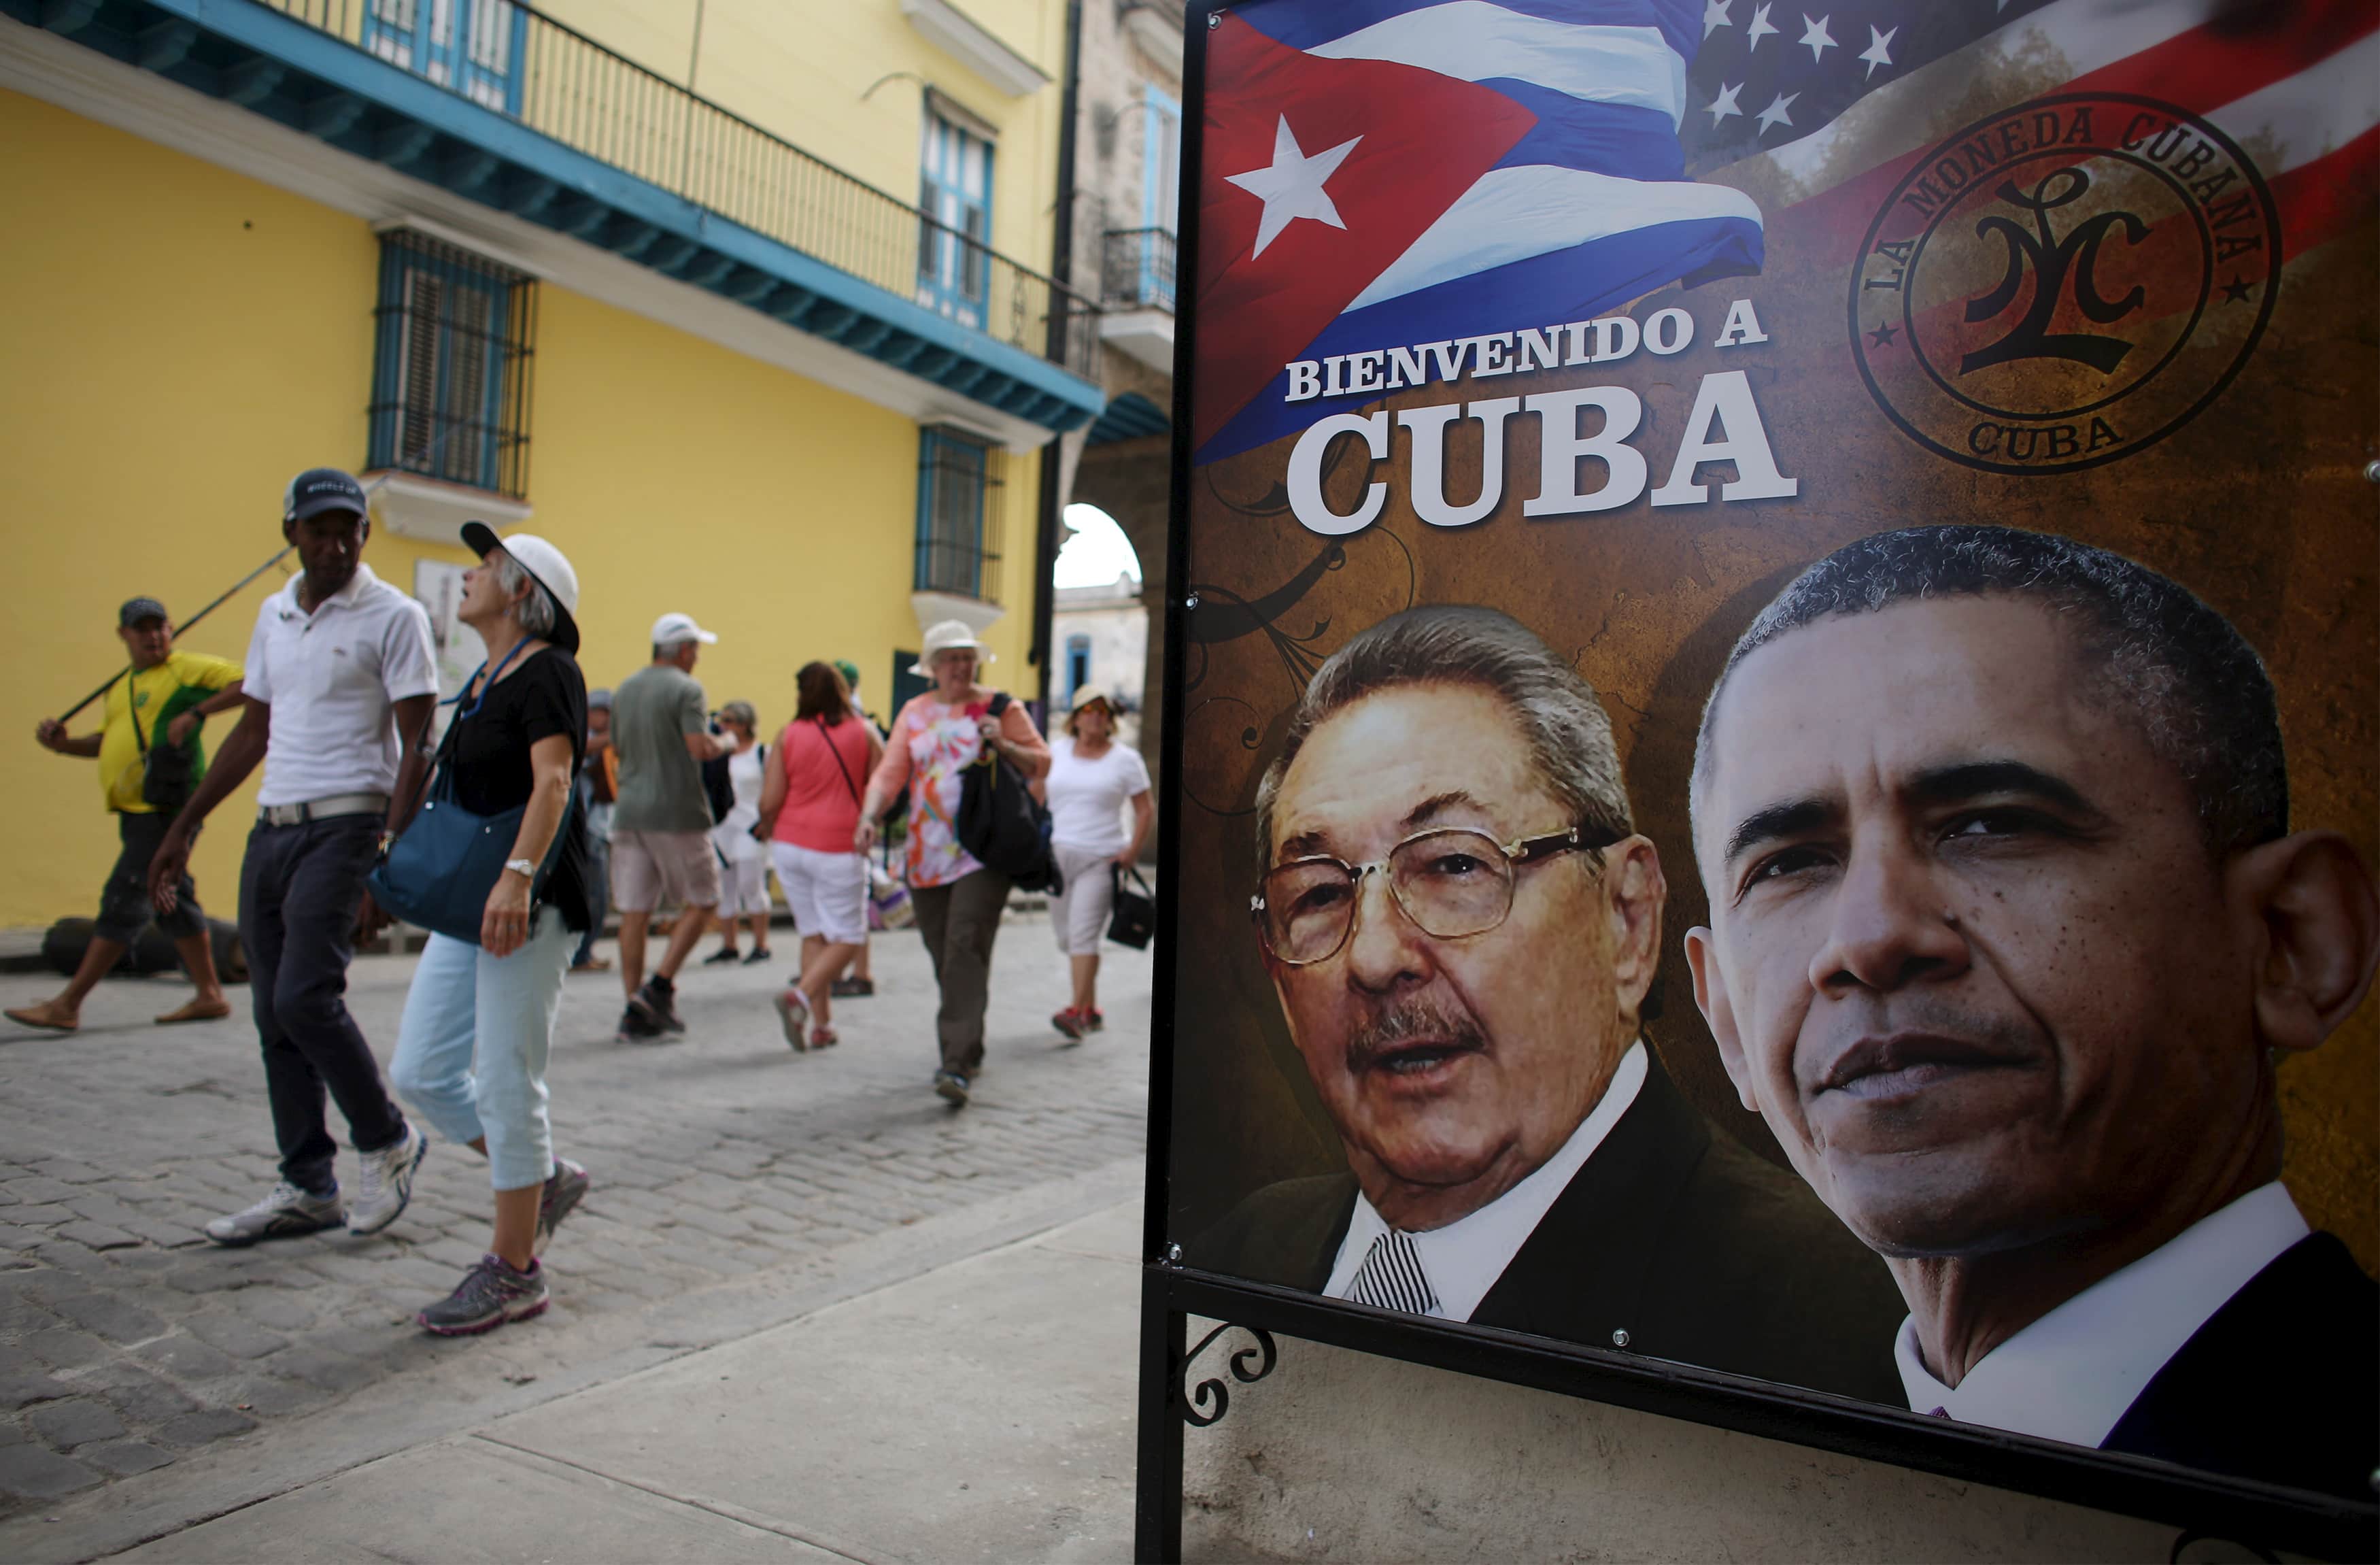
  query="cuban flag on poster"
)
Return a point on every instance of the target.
[{"x": 1385, "y": 172}]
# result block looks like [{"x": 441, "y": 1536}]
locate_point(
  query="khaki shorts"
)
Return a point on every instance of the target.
[{"x": 652, "y": 868}]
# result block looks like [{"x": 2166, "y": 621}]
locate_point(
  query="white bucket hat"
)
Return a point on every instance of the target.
[
  {"x": 949, "y": 636},
  {"x": 548, "y": 565}
]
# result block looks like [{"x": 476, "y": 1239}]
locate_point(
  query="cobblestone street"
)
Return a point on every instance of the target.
[{"x": 127, "y": 1342}]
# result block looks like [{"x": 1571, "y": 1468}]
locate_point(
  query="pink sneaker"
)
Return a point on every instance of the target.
[{"x": 794, "y": 1015}]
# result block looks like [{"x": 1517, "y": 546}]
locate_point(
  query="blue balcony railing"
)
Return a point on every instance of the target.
[{"x": 521, "y": 62}]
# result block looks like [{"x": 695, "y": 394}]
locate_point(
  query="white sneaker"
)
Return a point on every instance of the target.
[
  {"x": 287, "y": 1212},
  {"x": 385, "y": 1184}
]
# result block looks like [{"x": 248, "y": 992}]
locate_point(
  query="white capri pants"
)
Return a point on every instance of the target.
[
  {"x": 826, "y": 892},
  {"x": 471, "y": 1051},
  {"x": 1078, "y": 916},
  {"x": 743, "y": 887}
]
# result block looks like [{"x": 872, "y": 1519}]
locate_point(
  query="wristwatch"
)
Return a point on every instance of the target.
[{"x": 524, "y": 867}]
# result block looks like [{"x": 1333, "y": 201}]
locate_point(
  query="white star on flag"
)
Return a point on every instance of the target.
[
  {"x": 1879, "y": 49},
  {"x": 1759, "y": 30},
  {"x": 1715, "y": 16},
  {"x": 1816, "y": 35},
  {"x": 1775, "y": 112},
  {"x": 1724, "y": 104},
  {"x": 1292, "y": 187}
]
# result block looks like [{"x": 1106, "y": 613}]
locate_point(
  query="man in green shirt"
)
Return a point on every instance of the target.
[
  {"x": 661, "y": 828},
  {"x": 157, "y": 704}
]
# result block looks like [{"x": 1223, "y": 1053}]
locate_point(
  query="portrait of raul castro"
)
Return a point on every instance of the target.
[
  {"x": 1461, "y": 924},
  {"x": 2009, "y": 929}
]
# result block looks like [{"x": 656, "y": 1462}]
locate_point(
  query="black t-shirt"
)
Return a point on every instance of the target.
[{"x": 539, "y": 698}]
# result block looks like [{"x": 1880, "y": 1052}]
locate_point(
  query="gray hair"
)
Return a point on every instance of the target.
[
  {"x": 1568, "y": 731},
  {"x": 666, "y": 650},
  {"x": 2183, "y": 672},
  {"x": 534, "y": 613}
]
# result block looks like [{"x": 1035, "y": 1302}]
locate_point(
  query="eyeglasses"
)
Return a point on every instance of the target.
[{"x": 1450, "y": 882}]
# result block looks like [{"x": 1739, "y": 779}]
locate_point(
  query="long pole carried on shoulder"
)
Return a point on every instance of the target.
[{"x": 185, "y": 625}]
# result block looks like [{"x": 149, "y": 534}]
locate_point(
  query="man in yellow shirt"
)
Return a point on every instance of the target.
[{"x": 157, "y": 705}]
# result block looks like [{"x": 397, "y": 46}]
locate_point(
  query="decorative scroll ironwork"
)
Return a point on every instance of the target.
[{"x": 1247, "y": 1367}]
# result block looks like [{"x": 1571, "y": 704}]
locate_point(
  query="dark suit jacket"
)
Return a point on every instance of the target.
[
  {"x": 2282, "y": 1383},
  {"x": 1698, "y": 1249}
]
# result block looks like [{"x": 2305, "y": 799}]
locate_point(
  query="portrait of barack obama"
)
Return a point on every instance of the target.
[
  {"x": 2008, "y": 930},
  {"x": 1462, "y": 923}
]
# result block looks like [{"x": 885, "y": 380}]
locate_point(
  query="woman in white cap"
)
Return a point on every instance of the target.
[
  {"x": 958, "y": 901},
  {"x": 478, "y": 1021},
  {"x": 1092, "y": 779}
]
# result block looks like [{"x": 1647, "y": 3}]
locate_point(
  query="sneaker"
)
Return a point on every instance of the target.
[
  {"x": 387, "y": 1183},
  {"x": 636, "y": 1027},
  {"x": 563, "y": 1189},
  {"x": 851, "y": 989},
  {"x": 657, "y": 1000},
  {"x": 722, "y": 957},
  {"x": 490, "y": 1294},
  {"x": 1069, "y": 1022},
  {"x": 761, "y": 956},
  {"x": 792, "y": 1014},
  {"x": 952, "y": 1085},
  {"x": 284, "y": 1214},
  {"x": 1094, "y": 1021}
]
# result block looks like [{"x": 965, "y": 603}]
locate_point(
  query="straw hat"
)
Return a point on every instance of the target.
[{"x": 949, "y": 636}]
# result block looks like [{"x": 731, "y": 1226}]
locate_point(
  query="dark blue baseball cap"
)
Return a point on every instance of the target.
[{"x": 318, "y": 490}]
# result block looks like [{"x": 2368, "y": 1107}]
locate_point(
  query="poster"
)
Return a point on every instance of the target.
[
  {"x": 1777, "y": 699},
  {"x": 439, "y": 586}
]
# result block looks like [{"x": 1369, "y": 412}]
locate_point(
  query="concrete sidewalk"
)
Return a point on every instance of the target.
[{"x": 978, "y": 1409}]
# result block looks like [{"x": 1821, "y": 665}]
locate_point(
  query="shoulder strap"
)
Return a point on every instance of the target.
[
  {"x": 999, "y": 702},
  {"x": 826, "y": 736}
]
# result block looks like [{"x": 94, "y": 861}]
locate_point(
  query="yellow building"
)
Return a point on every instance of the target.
[{"x": 739, "y": 302}]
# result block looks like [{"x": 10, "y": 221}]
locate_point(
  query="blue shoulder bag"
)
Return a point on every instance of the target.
[{"x": 438, "y": 873}]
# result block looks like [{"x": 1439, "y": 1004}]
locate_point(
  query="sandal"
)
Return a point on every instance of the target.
[
  {"x": 823, "y": 1038},
  {"x": 197, "y": 1011}
]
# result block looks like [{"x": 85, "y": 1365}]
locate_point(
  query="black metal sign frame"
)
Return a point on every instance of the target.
[{"x": 1181, "y": 1387}]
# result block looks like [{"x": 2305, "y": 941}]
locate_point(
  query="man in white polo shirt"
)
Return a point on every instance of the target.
[{"x": 341, "y": 682}]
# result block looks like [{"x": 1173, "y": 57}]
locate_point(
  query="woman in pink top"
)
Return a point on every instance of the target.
[
  {"x": 809, "y": 809},
  {"x": 958, "y": 901}
]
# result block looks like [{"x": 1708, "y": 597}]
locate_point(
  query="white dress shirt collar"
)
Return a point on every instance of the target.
[
  {"x": 2071, "y": 1375},
  {"x": 1463, "y": 1260}
]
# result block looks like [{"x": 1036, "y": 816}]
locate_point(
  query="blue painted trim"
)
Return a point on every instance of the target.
[{"x": 434, "y": 111}]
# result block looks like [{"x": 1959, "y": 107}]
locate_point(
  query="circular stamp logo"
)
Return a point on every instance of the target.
[{"x": 2065, "y": 282}]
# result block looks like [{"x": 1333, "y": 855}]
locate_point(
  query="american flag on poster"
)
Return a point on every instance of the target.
[{"x": 1393, "y": 171}]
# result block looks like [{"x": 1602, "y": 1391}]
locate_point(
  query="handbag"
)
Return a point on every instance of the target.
[
  {"x": 887, "y": 900},
  {"x": 1133, "y": 922},
  {"x": 439, "y": 872},
  {"x": 1001, "y": 824}
]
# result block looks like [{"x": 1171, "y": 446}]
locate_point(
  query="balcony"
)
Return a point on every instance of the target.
[
  {"x": 500, "y": 105},
  {"x": 1136, "y": 295}
]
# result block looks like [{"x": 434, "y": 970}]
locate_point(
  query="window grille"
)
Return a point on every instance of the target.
[
  {"x": 961, "y": 481},
  {"x": 451, "y": 366}
]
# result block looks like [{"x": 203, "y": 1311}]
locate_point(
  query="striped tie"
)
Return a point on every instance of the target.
[{"x": 1391, "y": 1277}]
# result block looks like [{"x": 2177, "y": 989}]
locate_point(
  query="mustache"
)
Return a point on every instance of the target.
[{"x": 1411, "y": 1022}]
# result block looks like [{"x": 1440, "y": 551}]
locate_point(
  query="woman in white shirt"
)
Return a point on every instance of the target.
[
  {"x": 1091, "y": 779},
  {"x": 744, "y": 868}
]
